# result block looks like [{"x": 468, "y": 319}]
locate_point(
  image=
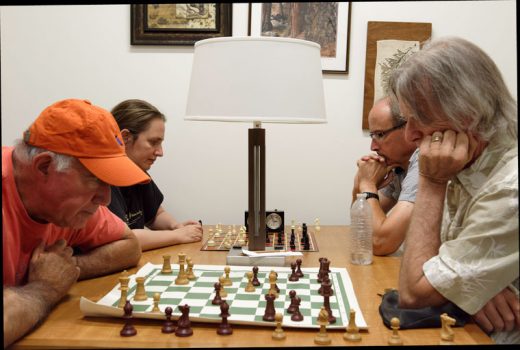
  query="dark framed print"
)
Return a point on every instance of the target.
[
  {"x": 179, "y": 24},
  {"x": 326, "y": 23}
]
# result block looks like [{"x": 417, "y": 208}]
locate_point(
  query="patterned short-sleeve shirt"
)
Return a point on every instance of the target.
[{"x": 478, "y": 256}]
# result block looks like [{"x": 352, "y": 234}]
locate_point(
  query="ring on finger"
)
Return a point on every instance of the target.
[{"x": 437, "y": 138}]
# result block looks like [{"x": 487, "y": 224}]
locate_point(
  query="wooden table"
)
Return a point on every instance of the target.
[{"x": 67, "y": 328}]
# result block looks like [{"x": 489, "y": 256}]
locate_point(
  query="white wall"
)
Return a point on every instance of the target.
[{"x": 49, "y": 53}]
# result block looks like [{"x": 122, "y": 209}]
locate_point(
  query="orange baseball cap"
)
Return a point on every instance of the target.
[{"x": 90, "y": 133}]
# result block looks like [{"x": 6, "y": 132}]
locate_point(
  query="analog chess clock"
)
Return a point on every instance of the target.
[{"x": 274, "y": 220}]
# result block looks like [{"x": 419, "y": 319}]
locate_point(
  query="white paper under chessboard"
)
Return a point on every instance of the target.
[{"x": 245, "y": 307}]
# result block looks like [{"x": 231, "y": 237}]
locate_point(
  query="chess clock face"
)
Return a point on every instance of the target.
[{"x": 274, "y": 220}]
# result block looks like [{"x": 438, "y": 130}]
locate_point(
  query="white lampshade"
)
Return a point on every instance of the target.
[{"x": 248, "y": 79}]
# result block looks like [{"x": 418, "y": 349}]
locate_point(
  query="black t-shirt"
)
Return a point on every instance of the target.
[{"x": 136, "y": 205}]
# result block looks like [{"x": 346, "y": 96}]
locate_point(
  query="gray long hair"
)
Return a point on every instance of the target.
[{"x": 457, "y": 80}]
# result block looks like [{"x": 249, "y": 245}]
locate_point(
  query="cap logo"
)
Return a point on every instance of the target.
[{"x": 119, "y": 141}]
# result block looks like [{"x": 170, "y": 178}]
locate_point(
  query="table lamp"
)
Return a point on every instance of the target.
[{"x": 255, "y": 80}]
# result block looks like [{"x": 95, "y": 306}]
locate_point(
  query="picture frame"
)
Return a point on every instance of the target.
[
  {"x": 179, "y": 24},
  {"x": 293, "y": 19},
  {"x": 400, "y": 36}
]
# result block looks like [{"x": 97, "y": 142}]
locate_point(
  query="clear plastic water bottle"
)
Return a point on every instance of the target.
[{"x": 361, "y": 231}]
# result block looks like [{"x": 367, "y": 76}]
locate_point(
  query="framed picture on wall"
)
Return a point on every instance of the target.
[
  {"x": 179, "y": 24},
  {"x": 389, "y": 44},
  {"x": 326, "y": 23}
]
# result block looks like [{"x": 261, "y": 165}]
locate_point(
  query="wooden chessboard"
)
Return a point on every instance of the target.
[
  {"x": 245, "y": 307},
  {"x": 273, "y": 244}
]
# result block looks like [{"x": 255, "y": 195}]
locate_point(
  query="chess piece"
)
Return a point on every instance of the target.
[
  {"x": 293, "y": 277},
  {"x": 293, "y": 226},
  {"x": 184, "y": 323},
  {"x": 327, "y": 293},
  {"x": 299, "y": 272},
  {"x": 320, "y": 271},
  {"x": 189, "y": 274},
  {"x": 128, "y": 329},
  {"x": 224, "y": 328},
  {"x": 322, "y": 338},
  {"x": 211, "y": 242},
  {"x": 255, "y": 282},
  {"x": 156, "y": 299},
  {"x": 317, "y": 224},
  {"x": 297, "y": 316},
  {"x": 223, "y": 292},
  {"x": 217, "y": 299},
  {"x": 395, "y": 339},
  {"x": 447, "y": 335},
  {"x": 167, "y": 267},
  {"x": 292, "y": 306},
  {"x": 278, "y": 333},
  {"x": 269, "y": 308},
  {"x": 249, "y": 287},
  {"x": 168, "y": 325},
  {"x": 123, "y": 281},
  {"x": 352, "y": 333},
  {"x": 140, "y": 293},
  {"x": 272, "y": 282},
  {"x": 123, "y": 298},
  {"x": 181, "y": 277},
  {"x": 227, "y": 280}
]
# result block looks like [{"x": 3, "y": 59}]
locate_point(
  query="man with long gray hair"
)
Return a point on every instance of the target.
[{"x": 462, "y": 241}]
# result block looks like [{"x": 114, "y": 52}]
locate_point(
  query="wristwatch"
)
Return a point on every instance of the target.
[{"x": 371, "y": 195}]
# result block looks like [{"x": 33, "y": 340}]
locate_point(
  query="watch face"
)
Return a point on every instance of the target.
[{"x": 273, "y": 221}]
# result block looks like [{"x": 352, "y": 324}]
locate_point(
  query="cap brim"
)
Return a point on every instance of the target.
[{"x": 118, "y": 171}]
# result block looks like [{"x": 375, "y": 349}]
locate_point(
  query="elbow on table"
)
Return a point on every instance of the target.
[
  {"x": 409, "y": 300},
  {"x": 381, "y": 246}
]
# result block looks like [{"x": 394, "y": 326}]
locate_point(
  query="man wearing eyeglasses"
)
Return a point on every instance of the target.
[{"x": 388, "y": 177}]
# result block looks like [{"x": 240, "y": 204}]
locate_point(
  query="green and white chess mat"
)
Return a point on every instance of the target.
[{"x": 245, "y": 307}]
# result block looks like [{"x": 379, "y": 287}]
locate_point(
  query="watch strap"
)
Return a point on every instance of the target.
[{"x": 371, "y": 195}]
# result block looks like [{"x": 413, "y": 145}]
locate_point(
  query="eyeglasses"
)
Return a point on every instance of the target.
[{"x": 379, "y": 135}]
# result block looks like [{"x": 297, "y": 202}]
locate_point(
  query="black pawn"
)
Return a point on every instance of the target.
[
  {"x": 292, "y": 306},
  {"x": 255, "y": 281},
  {"x": 297, "y": 316},
  {"x": 217, "y": 299},
  {"x": 224, "y": 328},
  {"x": 128, "y": 329},
  {"x": 279, "y": 242},
  {"x": 269, "y": 308},
  {"x": 299, "y": 272},
  {"x": 184, "y": 323},
  {"x": 293, "y": 277},
  {"x": 168, "y": 326}
]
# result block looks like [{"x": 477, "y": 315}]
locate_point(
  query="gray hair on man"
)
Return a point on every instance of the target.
[
  {"x": 456, "y": 80},
  {"x": 27, "y": 152}
]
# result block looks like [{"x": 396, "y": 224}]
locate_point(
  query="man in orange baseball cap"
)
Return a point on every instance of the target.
[{"x": 55, "y": 188}]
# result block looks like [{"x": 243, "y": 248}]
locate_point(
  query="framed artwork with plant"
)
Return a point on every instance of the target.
[{"x": 389, "y": 44}]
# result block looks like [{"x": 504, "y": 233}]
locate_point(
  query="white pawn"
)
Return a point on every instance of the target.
[
  {"x": 317, "y": 224},
  {"x": 278, "y": 333}
]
